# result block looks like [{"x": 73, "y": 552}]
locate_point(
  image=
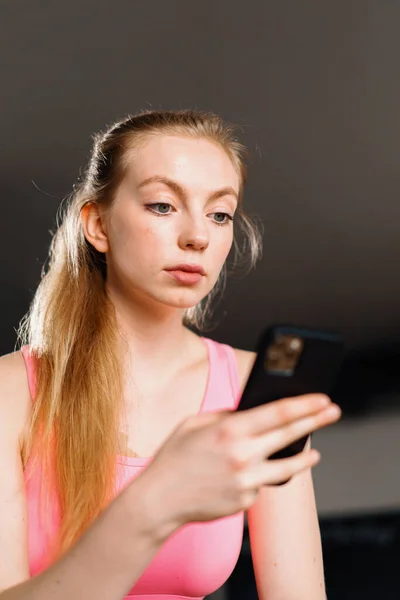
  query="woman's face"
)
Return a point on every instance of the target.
[{"x": 174, "y": 207}]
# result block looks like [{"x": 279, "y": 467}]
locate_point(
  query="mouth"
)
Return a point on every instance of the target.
[
  {"x": 186, "y": 268},
  {"x": 186, "y": 274}
]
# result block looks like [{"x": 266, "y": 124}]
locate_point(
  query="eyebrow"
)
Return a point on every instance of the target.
[{"x": 180, "y": 191}]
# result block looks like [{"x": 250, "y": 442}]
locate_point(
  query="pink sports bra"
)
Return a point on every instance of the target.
[{"x": 199, "y": 557}]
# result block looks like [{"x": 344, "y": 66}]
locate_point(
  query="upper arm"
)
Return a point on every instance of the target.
[{"x": 14, "y": 401}]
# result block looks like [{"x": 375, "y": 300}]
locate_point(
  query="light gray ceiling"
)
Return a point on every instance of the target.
[{"x": 314, "y": 85}]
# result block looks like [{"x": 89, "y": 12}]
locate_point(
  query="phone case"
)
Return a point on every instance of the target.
[{"x": 292, "y": 361}]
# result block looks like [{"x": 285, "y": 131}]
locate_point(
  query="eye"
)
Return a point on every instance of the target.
[
  {"x": 222, "y": 218},
  {"x": 164, "y": 206}
]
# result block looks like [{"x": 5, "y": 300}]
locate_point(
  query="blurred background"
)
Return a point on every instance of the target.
[{"x": 315, "y": 88}]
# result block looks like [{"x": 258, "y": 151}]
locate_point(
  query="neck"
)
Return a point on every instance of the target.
[{"x": 153, "y": 337}]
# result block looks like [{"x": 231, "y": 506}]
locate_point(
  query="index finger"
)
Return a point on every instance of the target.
[{"x": 263, "y": 418}]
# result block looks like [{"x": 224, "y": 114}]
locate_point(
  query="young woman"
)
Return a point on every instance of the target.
[{"x": 125, "y": 471}]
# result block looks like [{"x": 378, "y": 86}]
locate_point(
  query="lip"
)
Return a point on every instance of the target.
[{"x": 187, "y": 268}]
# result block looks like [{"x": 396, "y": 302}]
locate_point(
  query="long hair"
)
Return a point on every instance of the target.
[{"x": 72, "y": 331}]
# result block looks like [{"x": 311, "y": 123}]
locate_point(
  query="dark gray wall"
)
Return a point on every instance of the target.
[{"x": 315, "y": 87}]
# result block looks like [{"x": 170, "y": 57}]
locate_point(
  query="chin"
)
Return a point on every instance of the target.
[
  {"x": 182, "y": 299},
  {"x": 184, "y": 304}
]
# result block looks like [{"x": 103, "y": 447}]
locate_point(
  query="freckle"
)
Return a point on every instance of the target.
[{"x": 274, "y": 564}]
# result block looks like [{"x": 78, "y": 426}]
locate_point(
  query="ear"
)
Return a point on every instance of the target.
[{"x": 93, "y": 224}]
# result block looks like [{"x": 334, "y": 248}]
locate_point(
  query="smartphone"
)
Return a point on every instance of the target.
[{"x": 292, "y": 361}]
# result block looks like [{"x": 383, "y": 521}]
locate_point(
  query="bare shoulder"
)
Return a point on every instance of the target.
[
  {"x": 14, "y": 360},
  {"x": 245, "y": 360},
  {"x": 15, "y": 400},
  {"x": 13, "y": 371}
]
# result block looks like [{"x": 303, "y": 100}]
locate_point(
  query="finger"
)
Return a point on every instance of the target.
[
  {"x": 261, "y": 419},
  {"x": 278, "y": 471},
  {"x": 283, "y": 436},
  {"x": 252, "y": 449}
]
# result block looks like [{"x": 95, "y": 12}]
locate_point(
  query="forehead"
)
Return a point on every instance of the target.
[{"x": 196, "y": 162}]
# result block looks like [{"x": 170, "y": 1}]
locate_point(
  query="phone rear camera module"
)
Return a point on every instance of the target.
[{"x": 283, "y": 355}]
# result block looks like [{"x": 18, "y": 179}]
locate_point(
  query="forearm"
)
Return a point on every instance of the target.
[
  {"x": 110, "y": 557},
  {"x": 286, "y": 543}
]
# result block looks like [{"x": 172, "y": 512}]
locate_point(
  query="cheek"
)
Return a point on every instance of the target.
[
  {"x": 224, "y": 247},
  {"x": 218, "y": 255},
  {"x": 151, "y": 233},
  {"x": 129, "y": 233},
  {"x": 144, "y": 246},
  {"x": 154, "y": 241}
]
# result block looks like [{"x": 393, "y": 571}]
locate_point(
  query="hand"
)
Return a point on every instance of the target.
[{"x": 214, "y": 464}]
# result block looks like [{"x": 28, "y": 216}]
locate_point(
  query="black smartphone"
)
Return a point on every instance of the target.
[{"x": 292, "y": 361}]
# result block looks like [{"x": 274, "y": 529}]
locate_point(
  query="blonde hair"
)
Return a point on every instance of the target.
[{"x": 72, "y": 331}]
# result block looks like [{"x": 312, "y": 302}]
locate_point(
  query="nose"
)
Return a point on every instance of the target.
[{"x": 194, "y": 234}]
